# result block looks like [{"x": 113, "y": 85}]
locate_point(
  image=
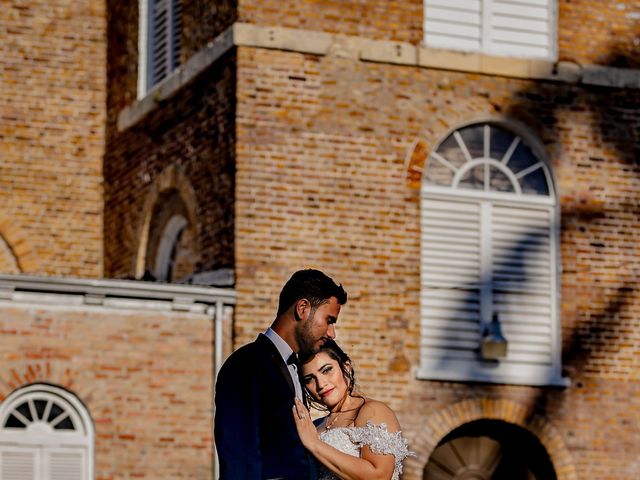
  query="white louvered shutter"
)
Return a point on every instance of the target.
[
  {"x": 453, "y": 24},
  {"x": 481, "y": 257},
  {"x": 523, "y": 28},
  {"x": 18, "y": 464},
  {"x": 523, "y": 281},
  {"x": 520, "y": 27},
  {"x": 53, "y": 442},
  {"x": 451, "y": 288},
  {"x": 65, "y": 465}
]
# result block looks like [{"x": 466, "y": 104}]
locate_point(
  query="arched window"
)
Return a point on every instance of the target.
[
  {"x": 172, "y": 253},
  {"x": 489, "y": 250},
  {"x": 45, "y": 433}
]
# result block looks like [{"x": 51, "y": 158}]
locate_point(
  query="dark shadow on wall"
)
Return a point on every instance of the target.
[
  {"x": 592, "y": 133},
  {"x": 509, "y": 282},
  {"x": 599, "y": 209}
]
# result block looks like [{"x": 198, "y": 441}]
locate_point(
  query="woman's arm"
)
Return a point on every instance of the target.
[{"x": 369, "y": 466}]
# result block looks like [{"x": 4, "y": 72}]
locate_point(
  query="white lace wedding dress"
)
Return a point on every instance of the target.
[{"x": 377, "y": 437}]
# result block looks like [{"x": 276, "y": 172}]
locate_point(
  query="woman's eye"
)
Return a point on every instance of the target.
[
  {"x": 308, "y": 380},
  {"x": 327, "y": 370}
]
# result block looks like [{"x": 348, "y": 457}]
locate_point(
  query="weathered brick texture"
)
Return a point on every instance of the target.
[
  {"x": 604, "y": 33},
  {"x": 589, "y": 31},
  {"x": 300, "y": 161},
  {"x": 145, "y": 378},
  {"x": 52, "y": 116},
  {"x": 193, "y": 131},
  {"x": 321, "y": 182},
  {"x": 378, "y": 19}
]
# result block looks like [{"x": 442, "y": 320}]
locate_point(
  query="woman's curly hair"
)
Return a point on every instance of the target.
[{"x": 336, "y": 353}]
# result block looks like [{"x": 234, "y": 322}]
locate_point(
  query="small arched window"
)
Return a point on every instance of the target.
[
  {"x": 489, "y": 249},
  {"x": 45, "y": 433},
  {"x": 172, "y": 252}
]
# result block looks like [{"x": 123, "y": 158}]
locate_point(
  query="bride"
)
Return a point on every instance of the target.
[{"x": 360, "y": 437}]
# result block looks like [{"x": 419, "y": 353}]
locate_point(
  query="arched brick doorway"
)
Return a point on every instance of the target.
[{"x": 489, "y": 449}]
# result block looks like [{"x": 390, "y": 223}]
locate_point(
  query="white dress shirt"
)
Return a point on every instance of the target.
[{"x": 285, "y": 352}]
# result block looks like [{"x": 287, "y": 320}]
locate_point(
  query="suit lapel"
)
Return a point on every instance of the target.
[{"x": 277, "y": 359}]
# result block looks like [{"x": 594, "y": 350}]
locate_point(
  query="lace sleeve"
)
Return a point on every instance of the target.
[{"x": 382, "y": 442}]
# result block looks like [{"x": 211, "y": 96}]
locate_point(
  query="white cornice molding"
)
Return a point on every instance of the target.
[
  {"x": 379, "y": 51},
  {"x": 107, "y": 292}
]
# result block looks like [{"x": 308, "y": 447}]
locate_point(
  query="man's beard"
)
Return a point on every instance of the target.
[{"x": 305, "y": 338}]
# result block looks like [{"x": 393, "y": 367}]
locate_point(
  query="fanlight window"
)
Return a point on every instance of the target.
[
  {"x": 488, "y": 158},
  {"x": 45, "y": 433},
  {"x": 172, "y": 252},
  {"x": 40, "y": 410},
  {"x": 489, "y": 248}
]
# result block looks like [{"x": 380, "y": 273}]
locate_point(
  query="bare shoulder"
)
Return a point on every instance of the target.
[{"x": 377, "y": 412}]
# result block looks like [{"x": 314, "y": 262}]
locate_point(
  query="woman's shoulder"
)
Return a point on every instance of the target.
[{"x": 377, "y": 413}]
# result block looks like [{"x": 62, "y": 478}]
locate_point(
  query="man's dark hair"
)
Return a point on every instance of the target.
[{"x": 313, "y": 285}]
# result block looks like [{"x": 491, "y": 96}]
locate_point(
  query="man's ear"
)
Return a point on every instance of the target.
[{"x": 301, "y": 309}]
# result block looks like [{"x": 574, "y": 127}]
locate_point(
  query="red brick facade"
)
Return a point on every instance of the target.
[
  {"x": 150, "y": 403},
  {"x": 589, "y": 31},
  {"x": 334, "y": 134},
  {"x": 52, "y": 135},
  {"x": 194, "y": 133},
  {"x": 291, "y": 157}
]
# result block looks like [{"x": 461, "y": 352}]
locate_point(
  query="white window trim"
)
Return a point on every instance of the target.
[
  {"x": 144, "y": 20},
  {"x": 485, "y": 40},
  {"x": 522, "y": 374},
  {"x": 82, "y": 439},
  {"x": 143, "y": 47}
]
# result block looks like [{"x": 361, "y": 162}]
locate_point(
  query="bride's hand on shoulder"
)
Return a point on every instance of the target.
[{"x": 306, "y": 429}]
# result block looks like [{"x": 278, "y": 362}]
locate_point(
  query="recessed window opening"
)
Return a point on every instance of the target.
[
  {"x": 45, "y": 434},
  {"x": 489, "y": 248}
]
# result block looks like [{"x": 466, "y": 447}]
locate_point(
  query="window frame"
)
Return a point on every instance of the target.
[
  {"x": 39, "y": 438},
  {"x": 146, "y": 44},
  {"x": 525, "y": 373},
  {"x": 486, "y": 41}
]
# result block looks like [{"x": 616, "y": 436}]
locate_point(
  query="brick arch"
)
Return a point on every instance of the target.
[
  {"x": 438, "y": 127},
  {"x": 444, "y": 421},
  {"x": 23, "y": 373},
  {"x": 171, "y": 178},
  {"x": 16, "y": 251}
]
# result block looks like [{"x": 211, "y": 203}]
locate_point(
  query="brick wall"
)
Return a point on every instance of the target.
[
  {"x": 321, "y": 182},
  {"x": 378, "y": 19},
  {"x": 52, "y": 134},
  {"x": 604, "y": 33},
  {"x": 590, "y": 31},
  {"x": 202, "y": 21},
  {"x": 193, "y": 132},
  {"x": 318, "y": 160},
  {"x": 144, "y": 376}
]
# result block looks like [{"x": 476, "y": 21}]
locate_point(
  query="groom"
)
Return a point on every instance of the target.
[{"x": 255, "y": 434}]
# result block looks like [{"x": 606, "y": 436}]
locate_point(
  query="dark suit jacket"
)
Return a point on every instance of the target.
[{"x": 255, "y": 435}]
